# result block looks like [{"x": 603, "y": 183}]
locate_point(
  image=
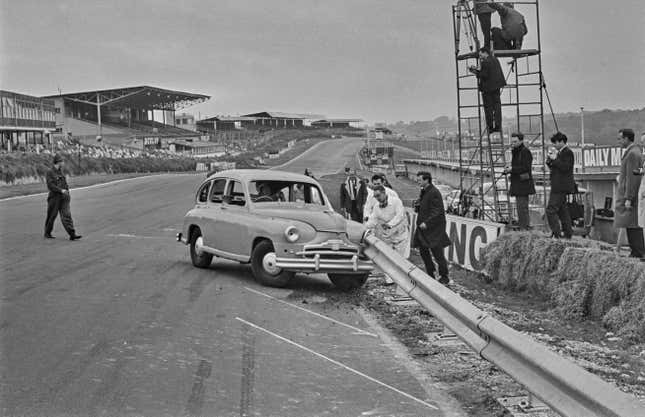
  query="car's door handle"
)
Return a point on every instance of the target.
[{"x": 224, "y": 208}]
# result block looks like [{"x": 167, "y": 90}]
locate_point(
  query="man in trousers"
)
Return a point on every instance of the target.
[
  {"x": 389, "y": 223},
  {"x": 58, "y": 201}
]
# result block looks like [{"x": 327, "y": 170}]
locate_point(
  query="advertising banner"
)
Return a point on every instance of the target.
[{"x": 467, "y": 237}]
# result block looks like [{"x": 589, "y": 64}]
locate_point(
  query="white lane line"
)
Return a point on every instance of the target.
[
  {"x": 335, "y": 362},
  {"x": 136, "y": 236},
  {"x": 322, "y": 316},
  {"x": 88, "y": 187}
]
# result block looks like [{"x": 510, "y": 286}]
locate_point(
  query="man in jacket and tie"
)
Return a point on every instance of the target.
[
  {"x": 353, "y": 194},
  {"x": 430, "y": 236},
  {"x": 562, "y": 183}
]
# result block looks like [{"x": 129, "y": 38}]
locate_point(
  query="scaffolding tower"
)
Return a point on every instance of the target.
[{"x": 482, "y": 154}]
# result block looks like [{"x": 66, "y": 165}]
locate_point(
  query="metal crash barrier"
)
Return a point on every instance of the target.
[{"x": 563, "y": 385}]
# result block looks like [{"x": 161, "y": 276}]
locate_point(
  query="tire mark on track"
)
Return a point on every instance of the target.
[{"x": 196, "y": 400}]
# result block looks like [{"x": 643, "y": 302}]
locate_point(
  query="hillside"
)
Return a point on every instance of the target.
[{"x": 601, "y": 127}]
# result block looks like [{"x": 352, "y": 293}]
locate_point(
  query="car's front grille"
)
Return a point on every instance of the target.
[{"x": 330, "y": 249}]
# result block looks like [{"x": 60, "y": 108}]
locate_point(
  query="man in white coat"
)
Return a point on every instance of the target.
[
  {"x": 389, "y": 223},
  {"x": 370, "y": 203}
]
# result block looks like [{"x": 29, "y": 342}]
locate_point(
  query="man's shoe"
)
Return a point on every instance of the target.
[
  {"x": 444, "y": 280},
  {"x": 48, "y": 236},
  {"x": 75, "y": 237}
]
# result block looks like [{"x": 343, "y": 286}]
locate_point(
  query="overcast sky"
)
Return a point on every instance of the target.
[{"x": 378, "y": 60}]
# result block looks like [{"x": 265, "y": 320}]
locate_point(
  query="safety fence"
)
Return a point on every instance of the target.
[{"x": 563, "y": 385}]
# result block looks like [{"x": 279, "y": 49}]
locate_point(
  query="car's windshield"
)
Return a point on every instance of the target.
[{"x": 271, "y": 191}]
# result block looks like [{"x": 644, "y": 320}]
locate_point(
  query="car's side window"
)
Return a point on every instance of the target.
[
  {"x": 235, "y": 194},
  {"x": 217, "y": 191},
  {"x": 315, "y": 197},
  {"x": 202, "y": 194}
]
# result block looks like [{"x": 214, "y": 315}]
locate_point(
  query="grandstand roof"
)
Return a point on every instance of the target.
[
  {"x": 142, "y": 97},
  {"x": 338, "y": 121},
  {"x": 280, "y": 115}
]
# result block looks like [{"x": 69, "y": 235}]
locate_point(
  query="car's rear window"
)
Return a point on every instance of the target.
[{"x": 285, "y": 191}]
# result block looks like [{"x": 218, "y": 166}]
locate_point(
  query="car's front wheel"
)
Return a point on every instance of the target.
[
  {"x": 264, "y": 269},
  {"x": 348, "y": 282},
  {"x": 200, "y": 258}
]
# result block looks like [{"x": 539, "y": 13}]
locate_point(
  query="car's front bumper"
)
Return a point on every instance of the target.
[
  {"x": 319, "y": 264},
  {"x": 181, "y": 239}
]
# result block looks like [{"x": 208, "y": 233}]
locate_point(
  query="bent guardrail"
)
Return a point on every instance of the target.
[{"x": 563, "y": 385}]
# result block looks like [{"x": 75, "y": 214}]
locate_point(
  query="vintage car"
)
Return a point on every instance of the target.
[{"x": 279, "y": 222}]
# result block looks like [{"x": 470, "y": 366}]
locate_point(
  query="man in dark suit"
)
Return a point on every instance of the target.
[
  {"x": 491, "y": 80},
  {"x": 353, "y": 194},
  {"x": 58, "y": 201},
  {"x": 430, "y": 236},
  {"x": 560, "y": 162},
  {"x": 521, "y": 171}
]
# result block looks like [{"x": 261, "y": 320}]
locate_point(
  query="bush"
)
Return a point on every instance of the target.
[
  {"x": 16, "y": 166},
  {"x": 582, "y": 278}
]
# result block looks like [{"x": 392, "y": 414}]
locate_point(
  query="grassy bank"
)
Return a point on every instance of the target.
[
  {"x": 582, "y": 279},
  {"x": 14, "y": 167}
]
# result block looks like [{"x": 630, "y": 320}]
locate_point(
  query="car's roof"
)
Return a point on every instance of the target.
[{"x": 262, "y": 174}]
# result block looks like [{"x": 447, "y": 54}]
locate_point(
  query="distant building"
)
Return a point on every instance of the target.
[
  {"x": 219, "y": 123},
  {"x": 186, "y": 121},
  {"x": 334, "y": 123},
  {"x": 25, "y": 120},
  {"x": 120, "y": 114},
  {"x": 197, "y": 149},
  {"x": 278, "y": 120}
]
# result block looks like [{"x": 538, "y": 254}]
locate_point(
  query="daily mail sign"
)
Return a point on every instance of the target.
[
  {"x": 602, "y": 156},
  {"x": 467, "y": 237}
]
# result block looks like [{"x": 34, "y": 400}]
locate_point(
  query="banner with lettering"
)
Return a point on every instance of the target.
[{"x": 468, "y": 237}]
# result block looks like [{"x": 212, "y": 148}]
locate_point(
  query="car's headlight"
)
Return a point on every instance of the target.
[{"x": 292, "y": 234}]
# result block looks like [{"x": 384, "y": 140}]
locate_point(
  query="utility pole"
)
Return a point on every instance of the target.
[{"x": 582, "y": 126}]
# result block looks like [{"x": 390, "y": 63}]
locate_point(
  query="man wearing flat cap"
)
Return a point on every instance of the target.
[{"x": 58, "y": 201}]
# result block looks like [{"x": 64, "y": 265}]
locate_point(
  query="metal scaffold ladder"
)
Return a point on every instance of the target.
[{"x": 484, "y": 155}]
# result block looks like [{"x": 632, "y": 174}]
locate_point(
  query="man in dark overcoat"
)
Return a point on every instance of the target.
[
  {"x": 626, "y": 208},
  {"x": 521, "y": 172},
  {"x": 58, "y": 201},
  {"x": 491, "y": 80},
  {"x": 511, "y": 34},
  {"x": 430, "y": 236},
  {"x": 560, "y": 163}
]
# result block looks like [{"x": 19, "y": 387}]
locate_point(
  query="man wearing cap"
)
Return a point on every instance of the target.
[{"x": 58, "y": 201}]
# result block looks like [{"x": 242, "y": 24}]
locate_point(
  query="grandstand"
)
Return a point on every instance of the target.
[{"x": 125, "y": 116}]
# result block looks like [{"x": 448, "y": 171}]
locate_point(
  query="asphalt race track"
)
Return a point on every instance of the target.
[{"x": 121, "y": 324}]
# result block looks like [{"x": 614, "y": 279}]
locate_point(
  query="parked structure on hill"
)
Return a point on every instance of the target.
[{"x": 25, "y": 120}]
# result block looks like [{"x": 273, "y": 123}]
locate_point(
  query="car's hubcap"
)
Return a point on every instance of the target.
[
  {"x": 269, "y": 264},
  {"x": 199, "y": 246}
]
